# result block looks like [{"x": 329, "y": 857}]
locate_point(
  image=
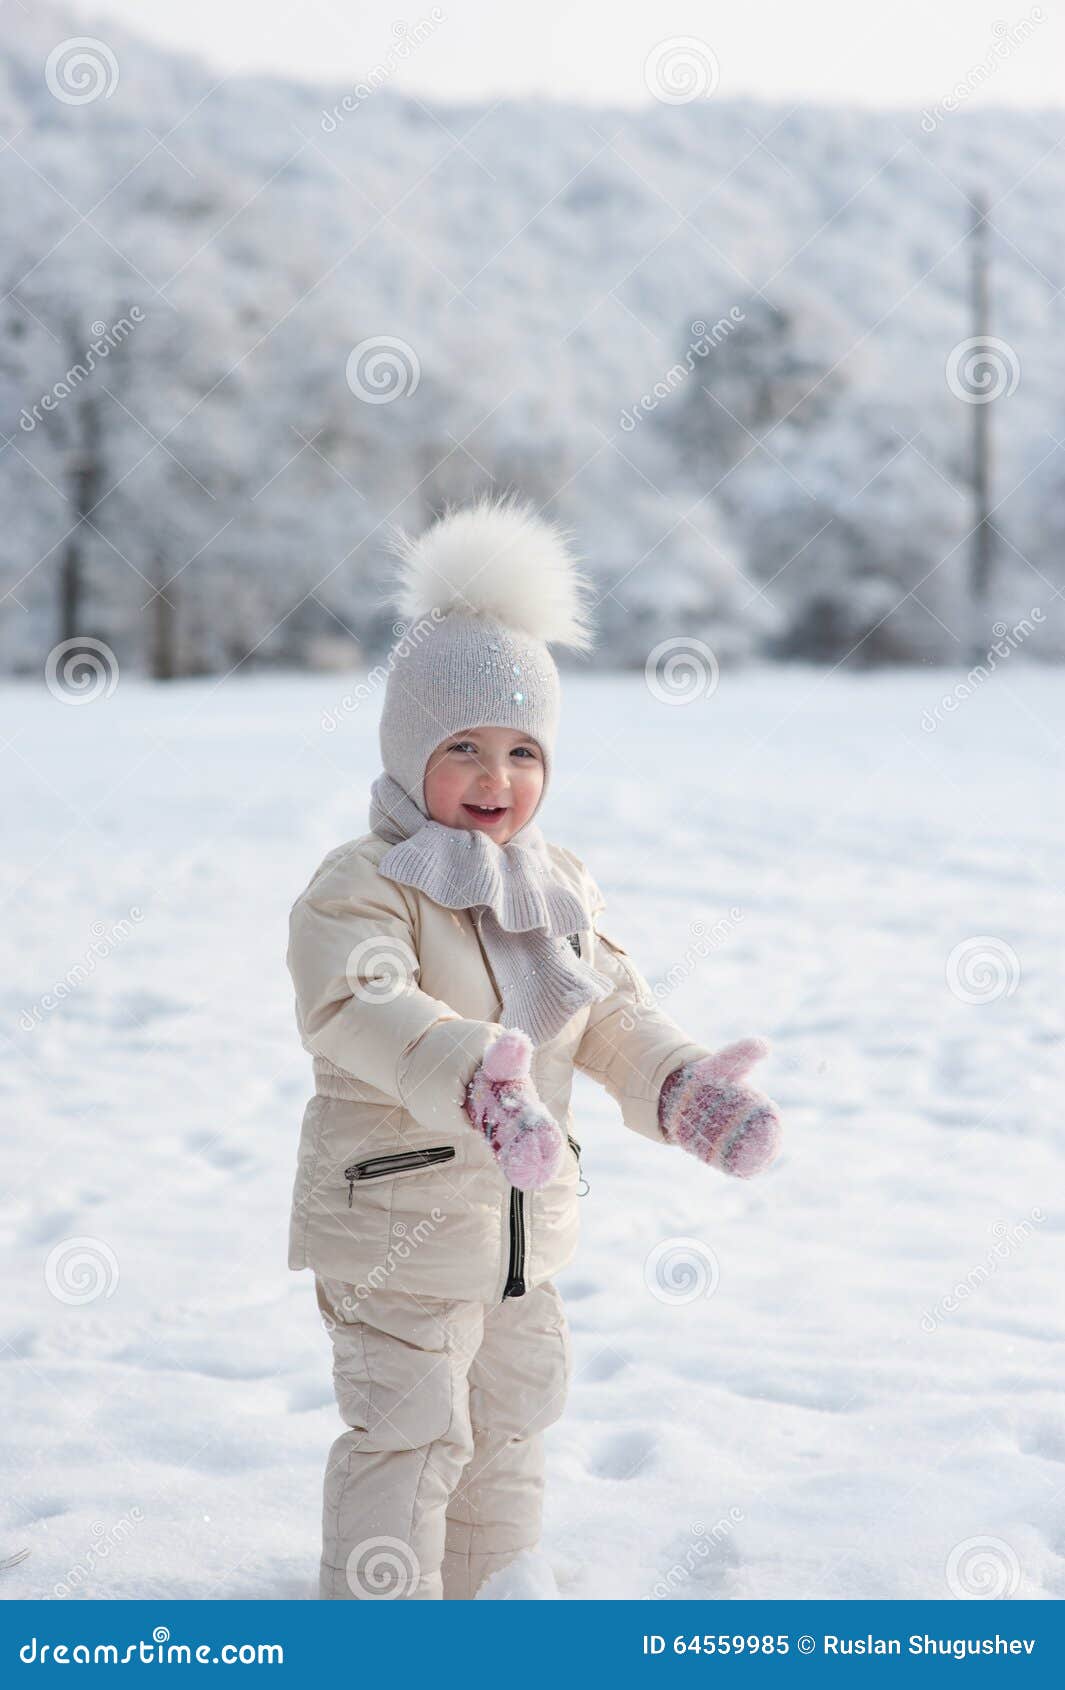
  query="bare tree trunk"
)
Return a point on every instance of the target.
[
  {"x": 86, "y": 475},
  {"x": 164, "y": 627}
]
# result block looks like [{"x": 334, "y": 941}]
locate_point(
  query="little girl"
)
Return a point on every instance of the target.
[{"x": 450, "y": 973}]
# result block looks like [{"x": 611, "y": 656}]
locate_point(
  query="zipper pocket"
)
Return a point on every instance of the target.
[{"x": 377, "y": 1167}]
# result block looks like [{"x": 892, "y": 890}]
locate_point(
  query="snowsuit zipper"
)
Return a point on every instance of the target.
[{"x": 515, "y": 1286}]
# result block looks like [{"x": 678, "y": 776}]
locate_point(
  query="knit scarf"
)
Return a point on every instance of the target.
[{"x": 528, "y": 912}]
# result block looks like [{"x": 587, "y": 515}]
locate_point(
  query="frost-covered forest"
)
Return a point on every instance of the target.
[{"x": 249, "y": 325}]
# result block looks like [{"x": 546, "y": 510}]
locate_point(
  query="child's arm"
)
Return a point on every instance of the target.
[
  {"x": 353, "y": 960},
  {"x": 668, "y": 1088}
]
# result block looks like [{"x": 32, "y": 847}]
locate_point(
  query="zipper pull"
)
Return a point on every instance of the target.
[
  {"x": 575, "y": 1147},
  {"x": 351, "y": 1191},
  {"x": 582, "y": 1178}
]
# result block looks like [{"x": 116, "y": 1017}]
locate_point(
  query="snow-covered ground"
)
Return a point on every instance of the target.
[{"x": 860, "y": 1399}]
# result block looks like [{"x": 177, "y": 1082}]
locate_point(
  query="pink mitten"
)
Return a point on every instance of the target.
[
  {"x": 705, "y": 1108},
  {"x": 504, "y": 1105}
]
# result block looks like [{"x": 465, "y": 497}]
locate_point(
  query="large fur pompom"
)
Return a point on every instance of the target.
[{"x": 497, "y": 557}]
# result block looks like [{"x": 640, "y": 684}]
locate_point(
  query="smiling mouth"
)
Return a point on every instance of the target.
[{"x": 486, "y": 812}]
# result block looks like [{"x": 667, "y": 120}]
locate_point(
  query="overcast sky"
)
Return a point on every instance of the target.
[{"x": 912, "y": 52}]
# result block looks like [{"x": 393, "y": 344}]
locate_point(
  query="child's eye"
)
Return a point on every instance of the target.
[{"x": 468, "y": 745}]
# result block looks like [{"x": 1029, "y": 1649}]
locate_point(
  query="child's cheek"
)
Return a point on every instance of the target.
[{"x": 443, "y": 793}]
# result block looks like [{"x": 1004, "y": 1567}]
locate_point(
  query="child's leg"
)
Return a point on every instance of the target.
[
  {"x": 400, "y": 1365},
  {"x": 518, "y": 1382}
]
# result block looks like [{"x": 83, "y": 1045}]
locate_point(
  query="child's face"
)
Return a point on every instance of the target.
[{"x": 485, "y": 766}]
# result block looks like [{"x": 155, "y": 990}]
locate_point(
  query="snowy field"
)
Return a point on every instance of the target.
[{"x": 856, "y": 1394}]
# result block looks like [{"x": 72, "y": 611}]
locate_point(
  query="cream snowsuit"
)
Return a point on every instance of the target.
[{"x": 434, "y": 1275}]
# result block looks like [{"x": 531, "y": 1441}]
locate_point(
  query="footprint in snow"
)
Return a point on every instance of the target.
[
  {"x": 577, "y": 1289},
  {"x": 698, "y": 1563},
  {"x": 47, "y": 1228},
  {"x": 624, "y": 1454},
  {"x": 213, "y": 1149},
  {"x": 303, "y": 1398},
  {"x": 601, "y": 1366},
  {"x": 1045, "y": 1438}
]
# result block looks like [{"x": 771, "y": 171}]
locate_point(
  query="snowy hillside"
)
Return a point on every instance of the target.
[
  {"x": 715, "y": 337},
  {"x": 855, "y": 1391}
]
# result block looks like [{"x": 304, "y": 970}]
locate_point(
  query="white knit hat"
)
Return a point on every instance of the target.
[{"x": 485, "y": 589}]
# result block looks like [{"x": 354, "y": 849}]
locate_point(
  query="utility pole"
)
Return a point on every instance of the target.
[{"x": 982, "y": 536}]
